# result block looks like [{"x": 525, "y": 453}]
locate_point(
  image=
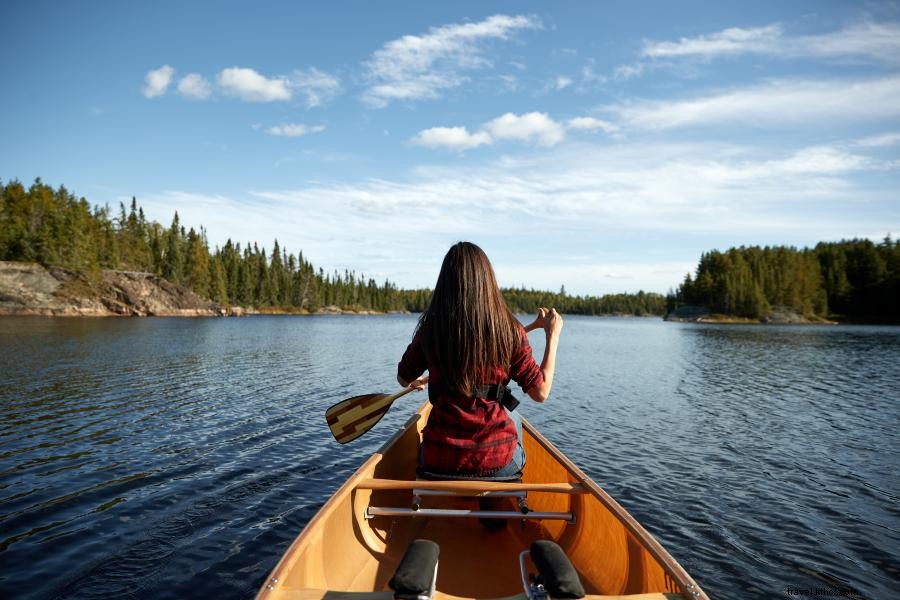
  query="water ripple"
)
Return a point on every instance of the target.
[{"x": 167, "y": 458}]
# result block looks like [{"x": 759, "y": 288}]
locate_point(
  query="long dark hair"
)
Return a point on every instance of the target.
[{"x": 467, "y": 328}]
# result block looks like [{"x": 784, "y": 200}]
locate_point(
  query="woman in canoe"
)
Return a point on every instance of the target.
[{"x": 472, "y": 345}]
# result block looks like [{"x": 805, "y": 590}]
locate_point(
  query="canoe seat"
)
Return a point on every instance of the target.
[
  {"x": 520, "y": 495},
  {"x": 473, "y": 488}
]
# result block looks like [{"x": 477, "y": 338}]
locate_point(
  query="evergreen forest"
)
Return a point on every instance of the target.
[
  {"x": 851, "y": 279},
  {"x": 55, "y": 227}
]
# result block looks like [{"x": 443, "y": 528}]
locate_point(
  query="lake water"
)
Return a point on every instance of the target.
[{"x": 173, "y": 458}]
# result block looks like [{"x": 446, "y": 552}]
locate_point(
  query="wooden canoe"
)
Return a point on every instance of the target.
[{"x": 345, "y": 553}]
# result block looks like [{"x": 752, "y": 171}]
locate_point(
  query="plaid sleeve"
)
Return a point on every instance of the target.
[
  {"x": 524, "y": 370},
  {"x": 413, "y": 362}
]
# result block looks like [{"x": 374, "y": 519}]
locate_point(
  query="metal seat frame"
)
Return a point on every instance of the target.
[{"x": 420, "y": 489}]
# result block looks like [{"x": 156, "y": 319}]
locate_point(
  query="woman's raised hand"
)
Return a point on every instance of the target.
[
  {"x": 547, "y": 319},
  {"x": 554, "y": 322}
]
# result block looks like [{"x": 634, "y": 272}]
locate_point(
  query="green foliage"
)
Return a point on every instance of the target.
[
  {"x": 53, "y": 227},
  {"x": 638, "y": 305},
  {"x": 847, "y": 278}
]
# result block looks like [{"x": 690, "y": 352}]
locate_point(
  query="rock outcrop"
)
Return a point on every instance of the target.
[
  {"x": 31, "y": 289},
  {"x": 777, "y": 316}
]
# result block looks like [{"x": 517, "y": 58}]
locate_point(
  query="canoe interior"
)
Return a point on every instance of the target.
[{"x": 340, "y": 551}]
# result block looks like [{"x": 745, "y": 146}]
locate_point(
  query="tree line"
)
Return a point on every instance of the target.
[
  {"x": 850, "y": 278},
  {"x": 638, "y": 305},
  {"x": 54, "y": 227}
]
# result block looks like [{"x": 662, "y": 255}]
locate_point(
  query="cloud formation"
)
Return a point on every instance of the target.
[
  {"x": 879, "y": 141},
  {"x": 591, "y": 124},
  {"x": 562, "y": 82},
  {"x": 873, "y": 41},
  {"x": 773, "y": 103},
  {"x": 250, "y": 86},
  {"x": 451, "y": 138},
  {"x": 417, "y": 67},
  {"x": 534, "y": 128},
  {"x": 294, "y": 129},
  {"x": 157, "y": 81},
  {"x": 711, "y": 192},
  {"x": 728, "y": 41},
  {"x": 195, "y": 87},
  {"x": 317, "y": 87}
]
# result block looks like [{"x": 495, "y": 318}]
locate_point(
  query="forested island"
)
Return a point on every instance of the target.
[
  {"x": 850, "y": 280},
  {"x": 95, "y": 251}
]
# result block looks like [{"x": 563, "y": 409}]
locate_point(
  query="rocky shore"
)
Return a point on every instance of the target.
[
  {"x": 781, "y": 316},
  {"x": 31, "y": 289}
]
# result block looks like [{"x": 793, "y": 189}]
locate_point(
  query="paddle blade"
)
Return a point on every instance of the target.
[{"x": 354, "y": 416}]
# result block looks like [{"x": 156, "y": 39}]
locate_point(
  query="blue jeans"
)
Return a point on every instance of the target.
[{"x": 517, "y": 463}]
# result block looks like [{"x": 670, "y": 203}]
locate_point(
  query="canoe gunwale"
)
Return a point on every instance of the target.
[
  {"x": 346, "y": 490},
  {"x": 668, "y": 562}
]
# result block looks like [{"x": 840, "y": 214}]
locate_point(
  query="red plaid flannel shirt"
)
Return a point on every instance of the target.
[{"x": 471, "y": 436}]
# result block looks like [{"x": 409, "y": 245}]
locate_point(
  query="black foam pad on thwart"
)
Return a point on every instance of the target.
[
  {"x": 415, "y": 573},
  {"x": 560, "y": 578}
]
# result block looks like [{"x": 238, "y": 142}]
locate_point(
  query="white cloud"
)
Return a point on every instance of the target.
[
  {"x": 417, "y": 67},
  {"x": 624, "y": 72},
  {"x": 316, "y": 86},
  {"x": 195, "y": 87},
  {"x": 877, "y": 41},
  {"x": 824, "y": 159},
  {"x": 157, "y": 81},
  {"x": 876, "y": 141},
  {"x": 533, "y": 127},
  {"x": 776, "y": 102},
  {"x": 728, "y": 41},
  {"x": 873, "y": 41},
  {"x": 510, "y": 82},
  {"x": 562, "y": 82},
  {"x": 536, "y": 128},
  {"x": 589, "y": 78},
  {"x": 250, "y": 86},
  {"x": 452, "y": 138},
  {"x": 635, "y": 199},
  {"x": 294, "y": 129},
  {"x": 591, "y": 124}
]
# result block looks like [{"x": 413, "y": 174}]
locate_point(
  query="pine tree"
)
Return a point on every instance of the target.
[{"x": 173, "y": 259}]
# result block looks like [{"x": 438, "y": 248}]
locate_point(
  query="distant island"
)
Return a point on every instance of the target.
[
  {"x": 851, "y": 280},
  {"x": 61, "y": 256}
]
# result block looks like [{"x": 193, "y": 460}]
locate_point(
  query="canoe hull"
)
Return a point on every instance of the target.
[{"x": 342, "y": 551}]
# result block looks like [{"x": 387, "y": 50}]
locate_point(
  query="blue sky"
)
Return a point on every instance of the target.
[{"x": 598, "y": 145}]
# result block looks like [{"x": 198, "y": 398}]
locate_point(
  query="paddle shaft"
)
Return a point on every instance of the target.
[{"x": 390, "y": 399}]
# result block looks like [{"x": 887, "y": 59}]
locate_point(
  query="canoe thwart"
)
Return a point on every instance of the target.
[
  {"x": 416, "y": 575},
  {"x": 478, "y": 493},
  {"x": 470, "y": 485},
  {"x": 380, "y": 511}
]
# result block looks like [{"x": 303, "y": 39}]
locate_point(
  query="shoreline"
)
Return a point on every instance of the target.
[
  {"x": 735, "y": 320},
  {"x": 32, "y": 290},
  {"x": 695, "y": 315}
]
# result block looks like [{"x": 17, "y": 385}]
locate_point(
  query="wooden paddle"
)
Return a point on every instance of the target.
[{"x": 350, "y": 418}]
